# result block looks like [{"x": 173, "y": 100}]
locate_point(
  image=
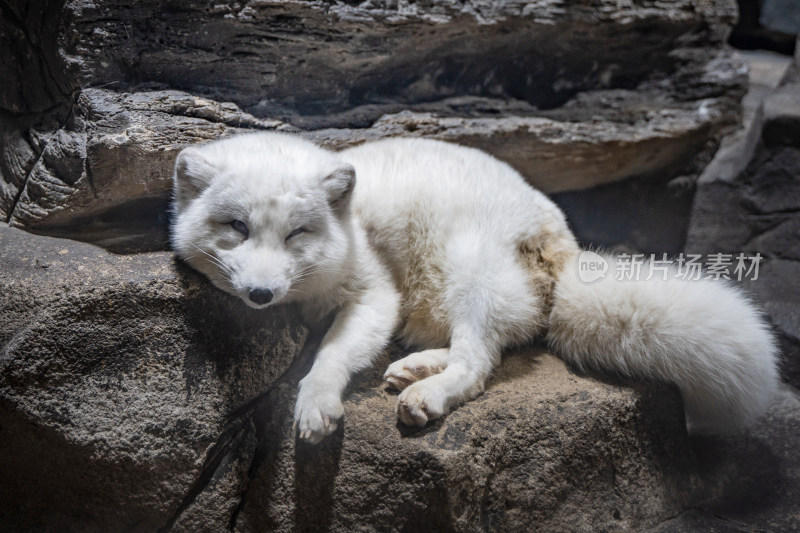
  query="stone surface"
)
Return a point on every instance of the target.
[
  {"x": 781, "y": 16},
  {"x": 766, "y": 70},
  {"x": 117, "y": 376},
  {"x": 319, "y": 57},
  {"x": 133, "y": 396},
  {"x": 793, "y": 74},
  {"x": 630, "y": 134},
  {"x": 779, "y": 297},
  {"x": 759, "y": 213},
  {"x": 88, "y": 151},
  {"x": 782, "y": 116},
  {"x": 107, "y": 169},
  {"x": 108, "y": 182}
]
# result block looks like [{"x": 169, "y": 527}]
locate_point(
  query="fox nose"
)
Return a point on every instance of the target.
[{"x": 261, "y": 296}]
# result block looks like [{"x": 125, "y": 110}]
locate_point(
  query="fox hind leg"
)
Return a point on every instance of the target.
[
  {"x": 489, "y": 304},
  {"x": 417, "y": 366},
  {"x": 468, "y": 366}
]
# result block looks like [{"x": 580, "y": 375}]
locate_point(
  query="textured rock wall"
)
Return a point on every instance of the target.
[
  {"x": 101, "y": 96},
  {"x": 761, "y": 206}
]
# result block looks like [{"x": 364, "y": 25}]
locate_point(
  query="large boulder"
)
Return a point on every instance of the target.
[
  {"x": 313, "y": 58},
  {"x": 573, "y": 98},
  {"x": 135, "y": 397},
  {"x": 117, "y": 377}
]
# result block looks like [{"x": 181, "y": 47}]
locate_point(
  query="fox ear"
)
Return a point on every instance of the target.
[
  {"x": 338, "y": 186},
  {"x": 193, "y": 173}
]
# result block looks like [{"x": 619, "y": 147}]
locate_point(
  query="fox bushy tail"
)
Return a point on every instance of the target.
[{"x": 702, "y": 335}]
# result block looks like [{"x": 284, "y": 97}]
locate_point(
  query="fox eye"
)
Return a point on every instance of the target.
[
  {"x": 241, "y": 227},
  {"x": 296, "y": 232}
]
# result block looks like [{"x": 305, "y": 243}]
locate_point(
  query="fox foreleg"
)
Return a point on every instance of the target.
[{"x": 361, "y": 329}]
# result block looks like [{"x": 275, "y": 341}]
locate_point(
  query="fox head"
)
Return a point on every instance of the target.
[{"x": 264, "y": 216}]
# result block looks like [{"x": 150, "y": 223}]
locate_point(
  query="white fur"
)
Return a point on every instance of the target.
[
  {"x": 702, "y": 335},
  {"x": 453, "y": 248}
]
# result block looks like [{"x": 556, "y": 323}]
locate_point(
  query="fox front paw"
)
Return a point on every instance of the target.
[
  {"x": 419, "y": 403},
  {"x": 317, "y": 411}
]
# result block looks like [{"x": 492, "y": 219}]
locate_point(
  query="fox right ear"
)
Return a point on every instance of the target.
[
  {"x": 338, "y": 186},
  {"x": 193, "y": 173}
]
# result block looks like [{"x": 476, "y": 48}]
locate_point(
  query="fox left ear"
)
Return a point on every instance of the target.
[
  {"x": 338, "y": 186},
  {"x": 193, "y": 173}
]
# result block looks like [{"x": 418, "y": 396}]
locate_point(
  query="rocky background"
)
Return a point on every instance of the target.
[{"x": 135, "y": 397}]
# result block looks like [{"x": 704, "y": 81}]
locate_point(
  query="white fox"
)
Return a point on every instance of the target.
[{"x": 452, "y": 250}]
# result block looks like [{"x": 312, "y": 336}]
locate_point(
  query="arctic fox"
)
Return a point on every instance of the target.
[{"x": 450, "y": 249}]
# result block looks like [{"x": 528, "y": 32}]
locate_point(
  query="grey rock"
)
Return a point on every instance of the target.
[
  {"x": 106, "y": 172},
  {"x": 33, "y": 80},
  {"x": 773, "y": 184},
  {"x": 767, "y": 25},
  {"x": 719, "y": 220},
  {"x": 632, "y": 138},
  {"x": 782, "y": 116},
  {"x": 766, "y": 70},
  {"x": 320, "y": 57},
  {"x": 793, "y": 73},
  {"x": 759, "y": 213},
  {"x": 781, "y": 16},
  {"x": 779, "y": 298},
  {"x": 117, "y": 376}
]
